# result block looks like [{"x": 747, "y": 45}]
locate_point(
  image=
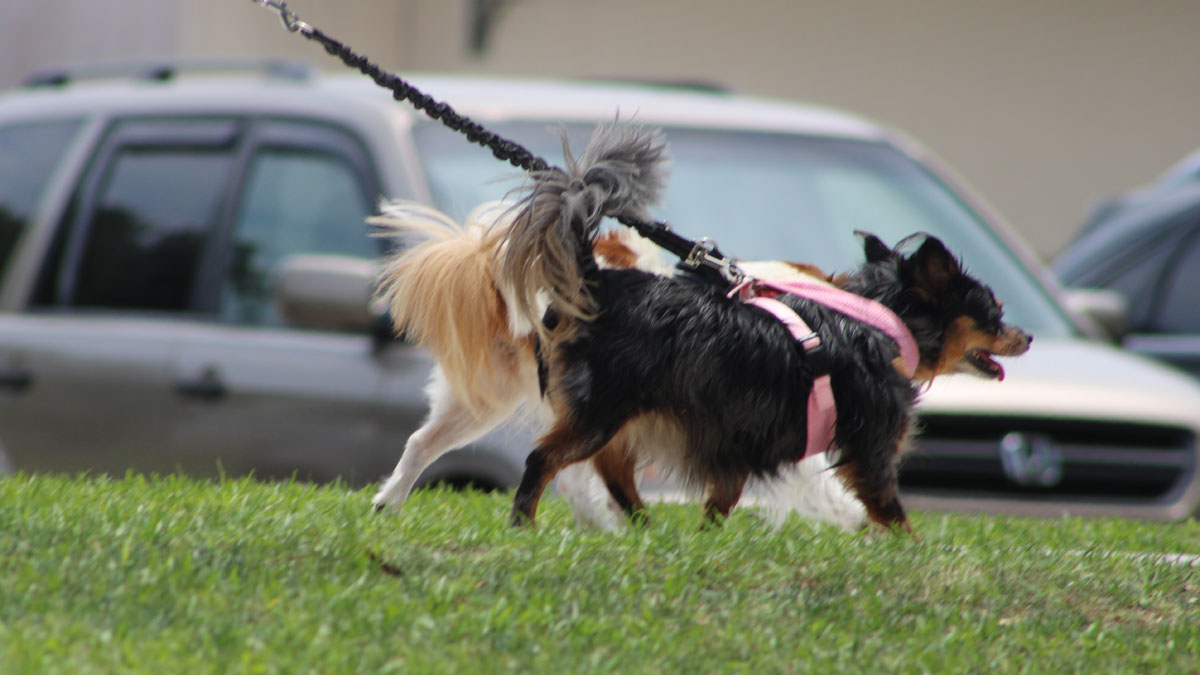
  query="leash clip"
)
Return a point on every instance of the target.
[
  {"x": 736, "y": 275},
  {"x": 702, "y": 254},
  {"x": 291, "y": 21}
]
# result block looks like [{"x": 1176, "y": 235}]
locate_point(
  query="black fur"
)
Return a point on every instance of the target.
[{"x": 732, "y": 374}]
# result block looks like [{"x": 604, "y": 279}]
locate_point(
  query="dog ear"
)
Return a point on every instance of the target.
[
  {"x": 874, "y": 248},
  {"x": 933, "y": 267}
]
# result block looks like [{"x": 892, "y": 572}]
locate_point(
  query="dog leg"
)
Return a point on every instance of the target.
[
  {"x": 450, "y": 425},
  {"x": 892, "y": 513},
  {"x": 723, "y": 495},
  {"x": 617, "y": 467},
  {"x": 559, "y": 447},
  {"x": 538, "y": 475},
  {"x": 590, "y": 501},
  {"x": 877, "y": 492},
  {"x": 812, "y": 490}
]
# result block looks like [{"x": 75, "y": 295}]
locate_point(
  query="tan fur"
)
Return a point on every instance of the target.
[
  {"x": 810, "y": 270},
  {"x": 963, "y": 336},
  {"x": 613, "y": 252},
  {"x": 617, "y": 467},
  {"x": 442, "y": 295}
]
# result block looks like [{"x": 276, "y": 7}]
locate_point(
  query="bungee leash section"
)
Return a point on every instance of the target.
[{"x": 701, "y": 256}]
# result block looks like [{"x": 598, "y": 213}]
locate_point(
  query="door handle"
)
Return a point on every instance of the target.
[
  {"x": 16, "y": 379},
  {"x": 207, "y": 387}
]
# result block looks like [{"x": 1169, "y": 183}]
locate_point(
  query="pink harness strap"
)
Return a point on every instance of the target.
[
  {"x": 854, "y": 306},
  {"x": 822, "y": 414}
]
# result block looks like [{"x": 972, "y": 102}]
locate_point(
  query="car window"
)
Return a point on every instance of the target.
[
  {"x": 1138, "y": 280},
  {"x": 154, "y": 214},
  {"x": 29, "y": 153},
  {"x": 1127, "y": 235},
  {"x": 1179, "y": 305},
  {"x": 295, "y": 202},
  {"x": 1132, "y": 256}
]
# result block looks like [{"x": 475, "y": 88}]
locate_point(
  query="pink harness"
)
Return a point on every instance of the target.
[{"x": 822, "y": 415}]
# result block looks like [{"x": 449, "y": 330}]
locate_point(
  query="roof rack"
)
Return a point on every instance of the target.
[{"x": 163, "y": 70}]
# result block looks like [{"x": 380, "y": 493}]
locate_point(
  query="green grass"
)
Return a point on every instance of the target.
[{"x": 175, "y": 575}]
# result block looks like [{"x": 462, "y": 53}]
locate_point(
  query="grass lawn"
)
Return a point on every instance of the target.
[{"x": 174, "y": 575}]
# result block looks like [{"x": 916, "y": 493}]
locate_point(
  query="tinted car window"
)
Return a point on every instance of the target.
[
  {"x": 295, "y": 202},
  {"x": 1135, "y": 254},
  {"x": 1112, "y": 243},
  {"x": 29, "y": 153},
  {"x": 1137, "y": 275},
  {"x": 153, "y": 216},
  {"x": 1179, "y": 310},
  {"x": 769, "y": 196}
]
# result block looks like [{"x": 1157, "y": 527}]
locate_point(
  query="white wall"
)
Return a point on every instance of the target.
[{"x": 37, "y": 33}]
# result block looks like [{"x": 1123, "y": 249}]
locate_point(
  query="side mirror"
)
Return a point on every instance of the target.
[
  {"x": 1106, "y": 309},
  {"x": 326, "y": 292}
]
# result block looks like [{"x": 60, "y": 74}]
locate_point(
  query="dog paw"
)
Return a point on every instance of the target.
[{"x": 381, "y": 503}]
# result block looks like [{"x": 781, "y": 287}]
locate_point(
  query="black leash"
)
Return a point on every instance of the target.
[{"x": 701, "y": 257}]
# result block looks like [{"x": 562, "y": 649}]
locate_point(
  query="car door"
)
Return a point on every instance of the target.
[
  {"x": 94, "y": 350},
  {"x": 268, "y": 397}
]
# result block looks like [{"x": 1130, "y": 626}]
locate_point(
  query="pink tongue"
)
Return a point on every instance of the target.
[{"x": 997, "y": 368}]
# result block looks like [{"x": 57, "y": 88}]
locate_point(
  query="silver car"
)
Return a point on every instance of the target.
[{"x": 185, "y": 280}]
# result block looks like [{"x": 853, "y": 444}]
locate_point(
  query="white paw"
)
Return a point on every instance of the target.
[{"x": 387, "y": 498}]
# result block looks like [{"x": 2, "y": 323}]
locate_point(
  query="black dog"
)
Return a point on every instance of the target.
[{"x": 726, "y": 377}]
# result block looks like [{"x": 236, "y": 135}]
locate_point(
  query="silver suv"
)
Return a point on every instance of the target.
[{"x": 185, "y": 278}]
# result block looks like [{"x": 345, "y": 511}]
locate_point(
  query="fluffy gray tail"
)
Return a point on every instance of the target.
[{"x": 621, "y": 172}]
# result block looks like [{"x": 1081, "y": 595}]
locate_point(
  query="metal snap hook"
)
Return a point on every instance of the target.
[{"x": 291, "y": 21}]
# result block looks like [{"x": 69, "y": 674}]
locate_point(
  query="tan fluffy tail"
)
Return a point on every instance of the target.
[{"x": 442, "y": 293}]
